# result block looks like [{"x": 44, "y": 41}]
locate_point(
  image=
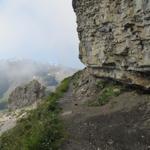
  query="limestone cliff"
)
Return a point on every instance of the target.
[
  {"x": 115, "y": 38},
  {"x": 26, "y": 95}
]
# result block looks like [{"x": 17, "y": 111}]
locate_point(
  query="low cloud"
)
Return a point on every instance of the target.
[{"x": 39, "y": 29}]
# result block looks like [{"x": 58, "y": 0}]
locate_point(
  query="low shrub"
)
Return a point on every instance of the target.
[
  {"x": 108, "y": 93},
  {"x": 108, "y": 89}
]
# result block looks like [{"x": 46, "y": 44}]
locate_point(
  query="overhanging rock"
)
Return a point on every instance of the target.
[{"x": 115, "y": 38}]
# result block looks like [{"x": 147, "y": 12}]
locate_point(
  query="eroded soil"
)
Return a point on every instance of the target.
[{"x": 122, "y": 124}]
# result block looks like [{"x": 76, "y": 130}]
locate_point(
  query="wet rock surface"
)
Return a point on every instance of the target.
[{"x": 115, "y": 38}]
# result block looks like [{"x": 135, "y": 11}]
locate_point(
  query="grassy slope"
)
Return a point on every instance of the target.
[{"x": 42, "y": 129}]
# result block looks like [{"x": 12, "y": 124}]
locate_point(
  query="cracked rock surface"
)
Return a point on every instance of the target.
[{"x": 115, "y": 38}]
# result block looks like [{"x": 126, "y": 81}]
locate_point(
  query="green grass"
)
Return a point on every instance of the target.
[
  {"x": 108, "y": 91},
  {"x": 42, "y": 129}
]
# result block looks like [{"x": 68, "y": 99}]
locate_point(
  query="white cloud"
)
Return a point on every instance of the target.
[{"x": 30, "y": 26}]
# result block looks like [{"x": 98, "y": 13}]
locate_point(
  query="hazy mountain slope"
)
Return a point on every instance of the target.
[{"x": 17, "y": 72}]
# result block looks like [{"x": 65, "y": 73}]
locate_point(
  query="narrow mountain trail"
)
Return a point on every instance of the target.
[{"x": 125, "y": 126}]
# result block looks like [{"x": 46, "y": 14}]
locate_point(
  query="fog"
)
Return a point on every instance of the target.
[
  {"x": 40, "y": 30},
  {"x": 17, "y": 72}
]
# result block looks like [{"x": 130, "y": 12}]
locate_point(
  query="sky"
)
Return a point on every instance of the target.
[{"x": 42, "y": 30}]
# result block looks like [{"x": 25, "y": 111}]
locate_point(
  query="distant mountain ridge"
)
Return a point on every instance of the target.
[
  {"x": 26, "y": 95},
  {"x": 15, "y": 72}
]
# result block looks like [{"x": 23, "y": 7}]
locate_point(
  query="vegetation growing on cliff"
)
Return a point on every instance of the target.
[
  {"x": 108, "y": 90},
  {"x": 42, "y": 129}
]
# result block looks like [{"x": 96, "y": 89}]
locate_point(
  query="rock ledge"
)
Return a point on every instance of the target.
[{"x": 115, "y": 39}]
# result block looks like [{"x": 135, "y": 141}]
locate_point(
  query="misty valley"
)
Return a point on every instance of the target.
[{"x": 14, "y": 73}]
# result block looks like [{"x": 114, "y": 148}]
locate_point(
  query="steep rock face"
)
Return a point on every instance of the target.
[
  {"x": 115, "y": 38},
  {"x": 26, "y": 95}
]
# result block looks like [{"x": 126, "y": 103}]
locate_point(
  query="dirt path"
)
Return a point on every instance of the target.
[{"x": 125, "y": 126}]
